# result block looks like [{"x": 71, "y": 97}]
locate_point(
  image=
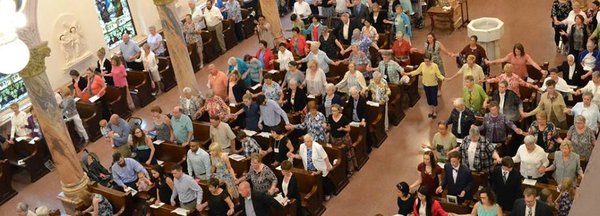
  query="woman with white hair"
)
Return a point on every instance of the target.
[
  {"x": 315, "y": 79},
  {"x": 236, "y": 64},
  {"x": 315, "y": 159},
  {"x": 477, "y": 152},
  {"x": 329, "y": 99},
  {"x": 319, "y": 56},
  {"x": 380, "y": 93},
  {"x": 582, "y": 137},
  {"x": 362, "y": 41},
  {"x": 352, "y": 78},
  {"x": 533, "y": 160},
  {"x": 190, "y": 103},
  {"x": 401, "y": 49}
]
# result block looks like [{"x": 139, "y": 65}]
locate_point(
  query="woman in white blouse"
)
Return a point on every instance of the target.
[
  {"x": 289, "y": 185},
  {"x": 352, "y": 78},
  {"x": 315, "y": 80},
  {"x": 533, "y": 160},
  {"x": 151, "y": 65},
  {"x": 18, "y": 124},
  {"x": 317, "y": 163}
]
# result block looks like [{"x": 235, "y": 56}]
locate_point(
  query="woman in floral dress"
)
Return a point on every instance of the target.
[
  {"x": 221, "y": 168},
  {"x": 193, "y": 35},
  {"x": 582, "y": 137},
  {"x": 546, "y": 133},
  {"x": 380, "y": 93},
  {"x": 313, "y": 123}
]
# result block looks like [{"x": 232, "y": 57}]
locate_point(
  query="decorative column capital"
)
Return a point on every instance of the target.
[
  {"x": 163, "y": 2},
  {"x": 37, "y": 61}
]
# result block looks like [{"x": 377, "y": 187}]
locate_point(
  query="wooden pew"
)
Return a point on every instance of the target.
[
  {"x": 248, "y": 22},
  {"x": 6, "y": 191},
  {"x": 287, "y": 210},
  {"x": 479, "y": 180},
  {"x": 172, "y": 154},
  {"x": 395, "y": 110},
  {"x": 34, "y": 162},
  {"x": 336, "y": 72},
  {"x": 140, "y": 84},
  {"x": 91, "y": 114},
  {"x": 121, "y": 202},
  {"x": 202, "y": 133},
  {"x": 166, "y": 72},
  {"x": 359, "y": 139},
  {"x": 310, "y": 187},
  {"x": 339, "y": 171},
  {"x": 229, "y": 34},
  {"x": 412, "y": 88},
  {"x": 454, "y": 208},
  {"x": 240, "y": 167},
  {"x": 375, "y": 124},
  {"x": 117, "y": 101},
  {"x": 210, "y": 50}
]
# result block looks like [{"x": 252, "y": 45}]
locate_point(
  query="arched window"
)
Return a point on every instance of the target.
[
  {"x": 115, "y": 20},
  {"x": 12, "y": 89}
]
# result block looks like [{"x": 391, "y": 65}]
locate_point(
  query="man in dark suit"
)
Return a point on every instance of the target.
[
  {"x": 461, "y": 119},
  {"x": 457, "y": 179},
  {"x": 509, "y": 102},
  {"x": 360, "y": 12},
  {"x": 344, "y": 30},
  {"x": 506, "y": 183},
  {"x": 530, "y": 206},
  {"x": 255, "y": 203},
  {"x": 356, "y": 106},
  {"x": 572, "y": 72}
]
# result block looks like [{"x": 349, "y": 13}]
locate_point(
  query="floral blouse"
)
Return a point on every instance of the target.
[
  {"x": 314, "y": 126},
  {"x": 190, "y": 33},
  {"x": 272, "y": 91},
  {"x": 360, "y": 59},
  {"x": 582, "y": 143},
  {"x": 215, "y": 106},
  {"x": 560, "y": 11},
  {"x": 495, "y": 127},
  {"x": 380, "y": 92},
  {"x": 564, "y": 204},
  {"x": 363, "y": 42},
  {"x": 190, "y": 106},
  {"x": 547, "y": 137},
  {"x": 261, "y": 181}
]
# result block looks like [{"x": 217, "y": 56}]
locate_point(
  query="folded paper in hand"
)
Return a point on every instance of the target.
[
  {"x": 529, "y": 182},
  {"x": 19, "y": 139},
  {"x": 94, "y": 98},
  {"x": 131, "y": 190},
  {"x": 159, "y": 162},
  {"x": 310, "y": 96},
  {"x": 372, "y": 103},
  {"x": 249, "y": 132},
  {"x": 180, "y": 211},
  {"x": 280, "y": 199},
  {"x": 21, "y": 162},
  {"x": 273, "y": 71},
  {"x": 255, "y": 86},
  {"x": 237, "y": 157},
  {"x": 354, "y": 124},
  {"x": 34, "y": 140}
]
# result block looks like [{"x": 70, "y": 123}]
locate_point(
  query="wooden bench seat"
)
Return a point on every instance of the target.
[
  {"x": 359, "y": 142},
  {"x": 172, "y": 154},
  {"x": 339, "y": 172},
  {"x": 375, "y": 124},
  {"x": 6, "y": 190},
  {"x": 91, "y": 114},
  {"x": 395, "y": 109},
  {"x": 202, "y": 133},
  {"x": 37, "y": 155},
  {"x": 121, "y": 202},
  {"x": 117, "y": 101},
  {"x": 140, "y": 85},
  {"x": 165, "y": 69}
]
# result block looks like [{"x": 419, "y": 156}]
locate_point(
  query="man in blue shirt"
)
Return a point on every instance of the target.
[
  {"x": 119, "y": 134},
  {"x": 131, "y": 51},
  {"x": 125, "y": 171},
  {"x": 182, "y": 127},
  {"x": 270, "y": 114}
]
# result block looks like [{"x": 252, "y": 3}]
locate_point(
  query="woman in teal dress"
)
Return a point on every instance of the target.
[{"x": 487, "y": 205}]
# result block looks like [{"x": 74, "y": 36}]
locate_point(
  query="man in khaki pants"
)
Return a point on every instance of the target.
[{"x": 213, "y": 18}]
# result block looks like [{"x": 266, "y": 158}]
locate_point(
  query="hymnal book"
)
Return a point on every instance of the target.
[
  {"x": 237, "y": 157},
  {"x": 180, "y": 211},
  {"x": 94, "y": 98},
  {"x": 531, "y": 182},
  {"x": 155, "y": 206},
  {"x": 158, "y": 142}
]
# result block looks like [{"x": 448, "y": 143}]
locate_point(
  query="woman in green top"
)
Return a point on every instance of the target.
[
  {"x": 443, "y": 142},
  {"x": 487, "y": 205},
  {"x": 474, "y": 95}
]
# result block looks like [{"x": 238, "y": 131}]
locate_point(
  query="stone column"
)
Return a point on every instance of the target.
[
  {"x": 178, "y": 53},
  {"x": 73, "y": 180},
  {"x": 271, "y": 13}
]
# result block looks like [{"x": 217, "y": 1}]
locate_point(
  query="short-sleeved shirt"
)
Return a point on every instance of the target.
[
  {"x": 334, "y": 126},
  {"x": 129, "y": 49},
  {"x": 181, "y": 128},
  {"x": 222, "y": 134}
]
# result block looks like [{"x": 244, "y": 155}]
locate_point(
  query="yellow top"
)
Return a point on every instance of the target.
[{"x": 431, "y": 74}]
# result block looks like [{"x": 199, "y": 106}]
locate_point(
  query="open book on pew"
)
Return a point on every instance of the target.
[
  {"x": 19, "y": 139},
  {"x": 372, "y": 103},
  {"x": 255, "y": 86},
  {"x": 76, "y": 99},
  {"x": 310, "y": 96},
  {"x": 280, "y": 199},
  {"x": 232, "y": 104},
  {"x": 249, "y": 132},
  {"x": 94, "y": 98},
  {"x": 155, "y": 206},
  {"x": 264, "y": 134},
  {"x": 531, "y": 182},
  {"x": 32, "y": 141},
  {"x": 181, "y": 211},
  {"x": 354, "y": 124},
  {"x": 237, "y": 157},
  {"x": 133, "y": 191},
  {"x": 158, "y": 142}
]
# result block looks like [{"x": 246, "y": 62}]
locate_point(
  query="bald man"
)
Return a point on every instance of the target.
[
  {"x": 217, "y": 81},
  {"x": 255, "y": 203},
  {"x": 119, "y": 134},
  {"x": 182, "y": 127},
  {"x": 130, "y": 51}
]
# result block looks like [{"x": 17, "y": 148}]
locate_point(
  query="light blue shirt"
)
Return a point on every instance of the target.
[
  {"x": 128, "y": 173},
  {"x": 198, "y": 164},
  {"x": 186, "y": 189},
  {"x": 321, "y": 58},
  {"x": 181, "y": 128},
  {"x": 270, "y": 114},
  {"x": 122, "y": 129},
  {"x": 129, "y": 49}
]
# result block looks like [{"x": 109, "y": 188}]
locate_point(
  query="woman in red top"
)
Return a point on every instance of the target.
[
  {"x": 401, "y": 49},
  {"x": 519, "y": 59},
  {"x": 425, "y": 205},
  {"x": 265, "y": 55},
  {"x": 119, "y": 75},
  {"x": 430, "y": 173},
  {"x": 297, "y": 43}
]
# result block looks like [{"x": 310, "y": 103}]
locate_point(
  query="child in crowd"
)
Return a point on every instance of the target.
[
  {"x": 143, "y": 183},
  {"x": 70, "y": 113}
]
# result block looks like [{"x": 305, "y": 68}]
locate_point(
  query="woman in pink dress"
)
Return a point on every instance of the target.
[
  {"x": 519, "y": 59},
  {"x": 119, "y": 75}
]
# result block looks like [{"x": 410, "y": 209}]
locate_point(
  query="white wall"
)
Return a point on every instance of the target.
[{"x": 144, "y": 15}]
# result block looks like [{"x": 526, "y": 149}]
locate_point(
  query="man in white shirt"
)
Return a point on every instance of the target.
[
  {"x": 197, "y": 13},
  {"x": 588, "y": 110},
  {"x": 302, "y": 9},
  {"x": 213, "y": 18},
  {"x": 533, "y": 159},
  {"x": 561, "y": 84},
  {"x": 592, "y": 87},
  {"x": 198, "y": 161},
  {"x": 284, "y": 57},
  {"x": 18, "y": 124}
]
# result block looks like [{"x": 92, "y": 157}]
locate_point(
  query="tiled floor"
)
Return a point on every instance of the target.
[{"x": 371, "y": 190}]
